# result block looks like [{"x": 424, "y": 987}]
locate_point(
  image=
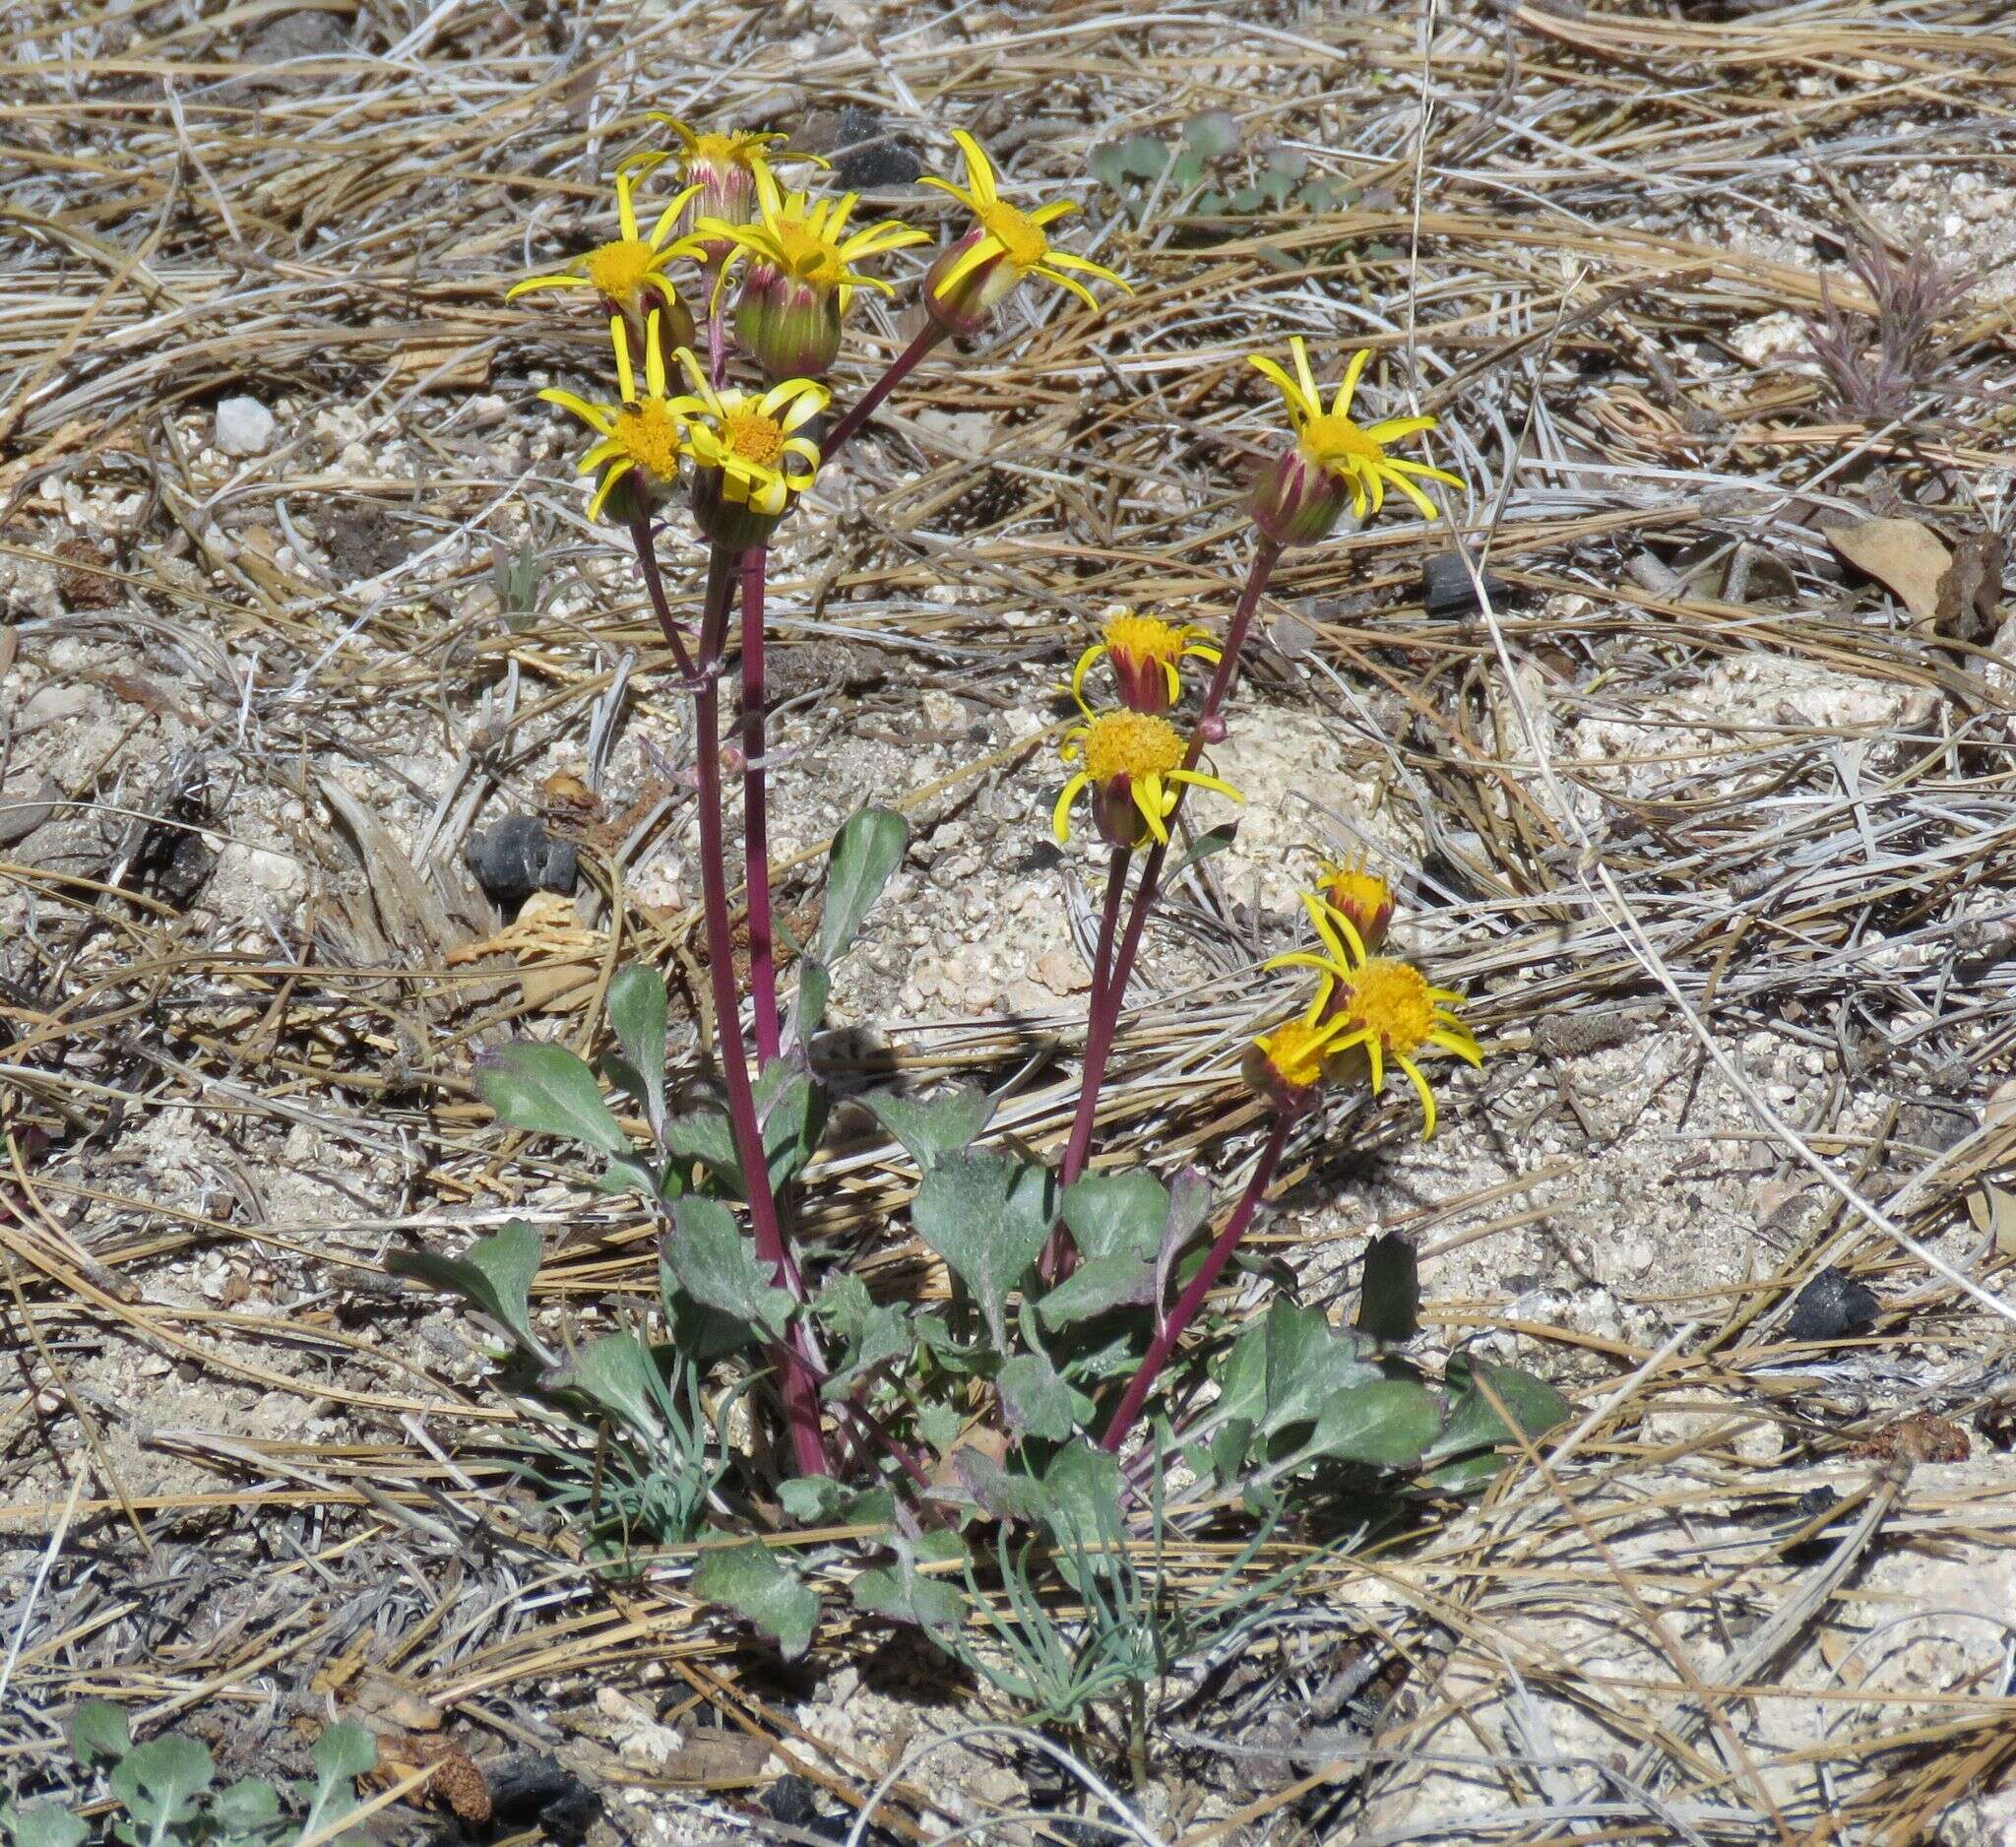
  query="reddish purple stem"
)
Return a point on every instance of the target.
[
  {"x": 1192, "y": 1297},
  {"x": 1106, "y": 1003},
  {"x": 797, "y": 1373},
  {"x": 755, "y": 814},
  {"x": 870, "y": 401}
]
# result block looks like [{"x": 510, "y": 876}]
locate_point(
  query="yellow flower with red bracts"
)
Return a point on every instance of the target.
[
  {"x": 1143, "y": 652},
  {"x": 749, "y": 460},
  {"x": 1343, "y": 946},
  {"x": 1302, "y": 495},
  {"x": 628, "y": 274},
  {"x": 1133, "y": 765},
  {"x": 643, "y": 436},
  {"x": 801, "y": 272},
  {"x": 980, "y": 271}
]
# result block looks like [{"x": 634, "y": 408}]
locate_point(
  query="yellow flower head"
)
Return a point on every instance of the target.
[
  {"x": 722, "y": 170},
  {"x": 1388, "y": 1007},
  {"x": 629, "y": 273},
  {"x": 1302, "y": 496},
  {"x": 808, "y": 242},
  {"x": 748, "y": 458},
  {"x": 1357, "y": 895},
  {"x": 980, "y": 271},
  {"x": 641, "y": 437},
  {"x": 1133, "y": 766},
  {"x": 1143, "y": 652}
]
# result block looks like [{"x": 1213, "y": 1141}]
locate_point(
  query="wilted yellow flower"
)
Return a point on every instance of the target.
[
  {"x": 749, "y": 460},
  {"x": 1143, "y": 652},
  {"x": 980, "y": 271},
  {"x": 1302, "y": 495},
  {"x": 628, "y": 274},
  {"x": 801, "y": 273},
  {"x": 1288, "y": 1064},
  {"x": 641, "y": 437},
  {"x": 1133, "y": 764}
]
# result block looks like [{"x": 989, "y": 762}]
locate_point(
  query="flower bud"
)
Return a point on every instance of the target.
[
  {"x": 788, "y": 326},
  {"x": 1213, "y": 729},
  {"x": 1298, "y": 503},
  {"x": 631, "y": 497},
  {"x": 1363, "y": 899},
  {"x": 1117, "y": 814}
]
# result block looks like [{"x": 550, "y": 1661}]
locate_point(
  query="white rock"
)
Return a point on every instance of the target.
[{"x": 244, "y": 427}]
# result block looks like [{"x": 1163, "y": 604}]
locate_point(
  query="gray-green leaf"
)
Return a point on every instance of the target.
[
  {"x": 495, "y": 1273},
  {"x": 1098, "y": 1285},
  {"x": 160, "y": 1781},
  {"x": 752, "y": 1582},
  {"x": 988, "y": 1218},
  {"x": 1307, "y": 1361},
  {"x": 45, "y": 1825},
  {"x": 902, "y": 1592},
  {"x": 718, "y": 1266},
  {"x": 1388, "y": 1423},
  {"x": 617, "y": 1371},
  {"x": 1473, "y": 1423},
  {"x": 1039, "y": 1403},
  {"x": 548, "y": 1089},
  {"x": 1113, "y": 1215},
  {"x": 865, "y": 852},
  {"x": 637, "y": 1015},
  {"x": 98, "y": 1734},
  {"x": 933, "y": 1127}
]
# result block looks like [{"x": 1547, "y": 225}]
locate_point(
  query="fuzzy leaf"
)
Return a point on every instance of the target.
[
  {"x": 45, "y": 1825},
  {"x": 792, "y": 1108},
  {"x": 637, "y": 1017},
  {"x": 701, "y": 1334},
  {"x": 1115, "y": 1215},
  {"x": 1388, "y": 1422},
  {"x": 865, "y": 852},
  {"x": 815, "y": 988},
  {"x": 250, "y": 1809},
  {"x": 1039, "y": 1403},
  {"x": 547, "y": 1090},
  {"x": 98, "y": 1734},
  {"x": 1307, "y": 1361},
  {"x": 1214, "y": 134},
  {"x": 902, "y": 1593},
  {"x": 988, "y": 1218},
  {"x": 933, "y": 1127},
  {"x": 758, "y": 1588},
  {"x": 1007, "y": 1494},
  {"x": 1084, "y": 1486},
  {"x": 495, "y": 1273},
  {"x": 718, "y": 1266},
  {"x": 344, "y": 1752},
  {"x": 158, "y": 1782},
  {"x": 874, "y": 1331},
  {"x": 1390, "y": 1294},
  {"x": 1098, "y": 1285},
  {"x": 1143, "y": 157},
  {"x": 1473, "y": 1423},
  {"x": 705, "y": 1135},
  {"x": 618, "y": 1372}
]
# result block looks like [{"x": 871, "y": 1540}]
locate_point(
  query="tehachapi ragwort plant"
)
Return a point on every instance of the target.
[{"x": 1074, "y": 1292}]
